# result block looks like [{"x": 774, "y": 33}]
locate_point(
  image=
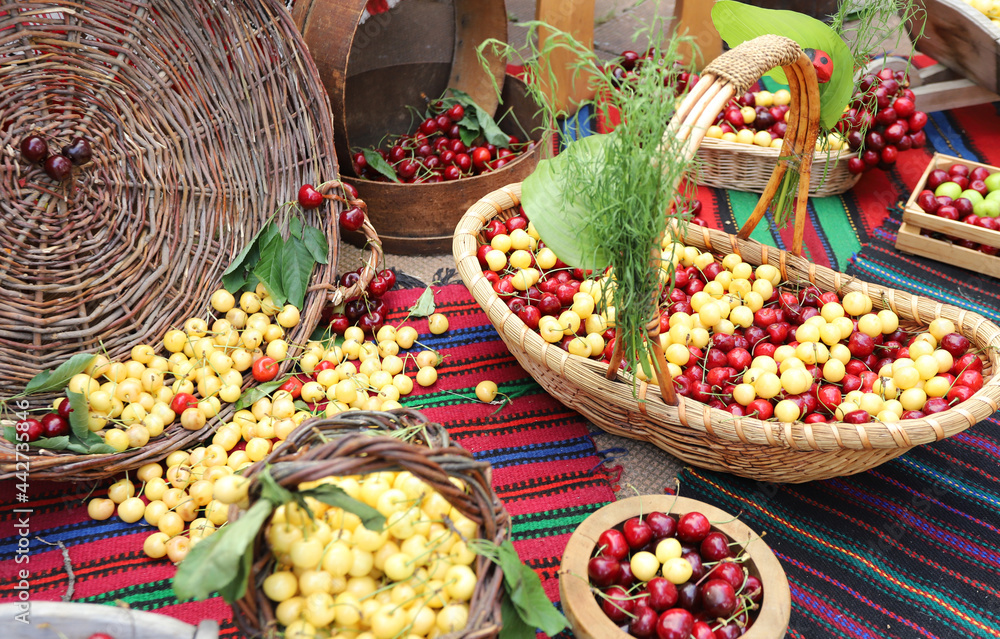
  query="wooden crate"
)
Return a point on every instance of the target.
[{"x": 915, "y": 220}]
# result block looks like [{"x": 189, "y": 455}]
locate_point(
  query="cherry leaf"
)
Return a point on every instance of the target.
[
  {"x": 48, "y": 443},
  {"x": 48, "y": 381},
  {"x": 78, "y": 416},
  {"x": 424, "y": 305},
  {"x": 296, "y": 267},
  {"x": 335, "y": 496},
  {"x": 255, "y": 393},
  {"x": 268, "y": 269},
  {"x": 215, "y": 563},
  {"x": 316, "y": 243},
  {"x": 377, "y": 162}
]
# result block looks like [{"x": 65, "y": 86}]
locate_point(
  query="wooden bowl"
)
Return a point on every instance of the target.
[
  {"x": 80, "y": 620},
  {"x": 590, "y": 622}
]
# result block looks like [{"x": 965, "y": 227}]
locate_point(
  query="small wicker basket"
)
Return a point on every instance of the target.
[
  {"x": 204, "y": 118},
  {"x": 747, "y": 167},
  {"x": 350, "y": 444},
  {"x": 695, "y": 433}
]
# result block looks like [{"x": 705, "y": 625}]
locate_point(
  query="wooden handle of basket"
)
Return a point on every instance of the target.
[
  {"x": 732, "y": 74},
  {"x": 338, "y": 295}
]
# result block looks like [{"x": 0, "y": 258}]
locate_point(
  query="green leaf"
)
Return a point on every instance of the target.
[
  {"x": 424, "y": 305},
  {"x": 316, "y": 243},
  {"x": 514, "y": 626},
  {"x": 738, "y": 22},
  {"x": 272, "y": 491},
  {"x": 468, "y": 135},
  {"x": 335, "y": 496},
  {"x": 295, "y": 227},
  {"x": 48, "y": 381},
  {"x": 559, "y": 215},
  {"x": 244, "y": 256},
  {"x": 101, "y": 449},
  {"x": 526, "y": 593},
  {"x": 215, "y": 563},
  {"x": 491, "y": 130},
  {"x": 301, "y": 405},
  {"x": 377, "y": 162},
  {"x": 237, "y": 587},
  {"x": 268, "y": 269},
  {"x": 78, "y": 415},
  {"x": 255, "y": 393},
  {"x": 75, "y": 446},
  {"x": 49, "y": 443},
  {"x": 296, "y": 267},
  {"x": 234, "y": 282}
]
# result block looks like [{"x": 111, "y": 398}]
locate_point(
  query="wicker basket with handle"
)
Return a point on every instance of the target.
[
  {"x": 204, "y": 117},
  {"x": 354, "y": 443},
  {"x": 748, "y": 167},
  {"x": 690, "y": 430}
]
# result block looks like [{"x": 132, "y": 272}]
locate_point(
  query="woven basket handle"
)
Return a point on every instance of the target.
[
  {"x": 731, "y": 74},
  {"x": 339, "y": 294}
]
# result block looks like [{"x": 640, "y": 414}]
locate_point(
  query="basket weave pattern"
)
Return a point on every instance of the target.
[
  {"x": 344, "y": 446},
  {"x": 203, "y": 118},
  {"x": 747, "y": 167},
  {"x": 712, "y": 438}
]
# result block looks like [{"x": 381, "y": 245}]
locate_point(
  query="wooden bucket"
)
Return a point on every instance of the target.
[{"x": 399, "y": 59}]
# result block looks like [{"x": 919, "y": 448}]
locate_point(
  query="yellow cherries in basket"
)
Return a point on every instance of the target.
[
  {"x": 415, "y": 577},
  {"x": 739, "y": 338}
]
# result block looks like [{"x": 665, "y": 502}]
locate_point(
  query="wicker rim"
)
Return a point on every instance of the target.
[
  {"x": 720, "y": 424},
  {"x": 340, "y": 446},
  {"x": 169, "y": 232}
]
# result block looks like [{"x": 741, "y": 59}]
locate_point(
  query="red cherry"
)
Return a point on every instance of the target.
[
  {"x": 715, "y": 547},
  {"x": 264, "y": 369},
  {"x": 718, "y": 598},
  {"x": 675, "y": 623},
  {"x": 34, "y": 148},
  {"x": 352, "y": 219},
  {"x": 182, "y": 401},
  {"x": 64, "y": 409},
  {"x": 662, "y": 594},
  {"x": 693, "y": 527},
  {"x": 53, "y": 425},
  {"x": 603, "y": 570},
  {"x": 643, "y": 625},
  {"x": 58, "y": 167},
  {"x": 617, "y": 604},
  {"x": 662, "y": 525},
  {"x": 637, "y": 533},
  {"x": 293, "y": 386}
]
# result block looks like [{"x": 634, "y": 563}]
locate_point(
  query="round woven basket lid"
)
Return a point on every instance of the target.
[{"x": 203, "y": 117}]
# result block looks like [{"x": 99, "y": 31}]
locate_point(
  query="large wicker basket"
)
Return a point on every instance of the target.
[
  {"x": 204, "y": 118},
  {"x": 748, "y": 167},
  {"x": 692, "y": 431},
  {"x": 352, "y": 444}
]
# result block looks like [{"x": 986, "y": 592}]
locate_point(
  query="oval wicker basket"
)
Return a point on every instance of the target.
[
  {"x": 712, "y": 438},
  {"x": 349, "y": 444},
  {"x": 585, "y": 614},
  {"x": 693, "y": 432},
  {"x": 748, "y": 167},
  {"x": 196, "y": 141}
]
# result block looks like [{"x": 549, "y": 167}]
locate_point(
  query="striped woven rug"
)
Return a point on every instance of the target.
[
  {"x": 546, "y": 470},
  {"x": 911, "y": 548}
]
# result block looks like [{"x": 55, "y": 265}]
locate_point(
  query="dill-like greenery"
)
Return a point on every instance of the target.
[{"x": 627, "y": 196}]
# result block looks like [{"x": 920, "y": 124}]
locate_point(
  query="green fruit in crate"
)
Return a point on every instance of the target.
[
  {"x": 993, "y": 196},
  {"x": 949, "y": 189},
  {"x": 993, "y": 182},
  {"x": 972, "y": 196},
  {"x": 987, "y": 208}
]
